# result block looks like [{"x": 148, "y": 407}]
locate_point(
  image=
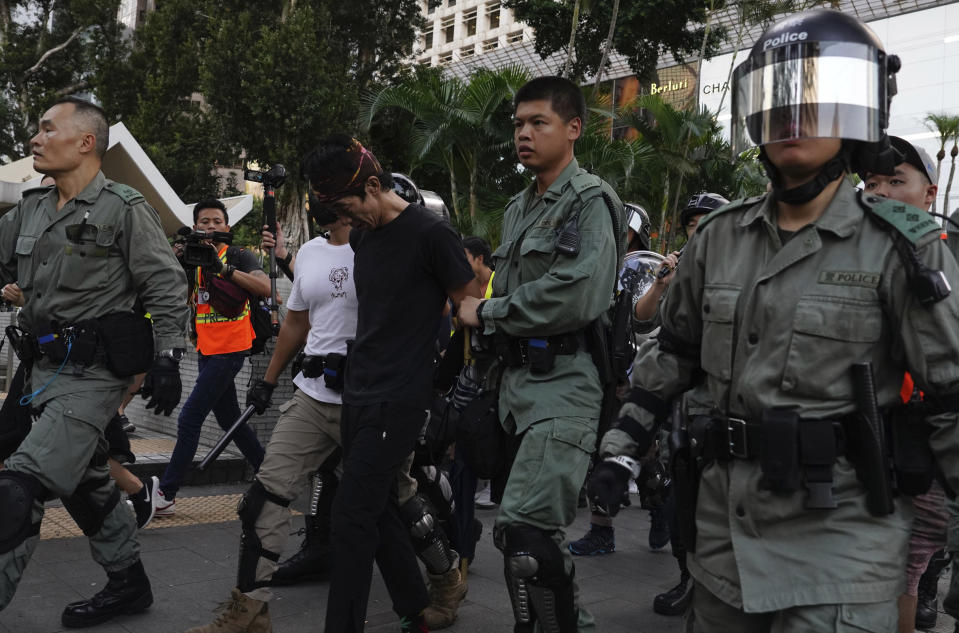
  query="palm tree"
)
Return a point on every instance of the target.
[
  {"x": 946, "y": 127},
  {"x": 608, "y": 46},
  {"x": 673, "y": 136},
  {"x": 578, "y": 7},
  {"x": 952, "y": 167},
  {"x": 456, "y": 123}
]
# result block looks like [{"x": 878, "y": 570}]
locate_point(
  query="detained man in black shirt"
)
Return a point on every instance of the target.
[{"x": 407, "y": 261}]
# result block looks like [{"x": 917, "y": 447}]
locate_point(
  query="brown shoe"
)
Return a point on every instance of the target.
[
  {"x": 239, "y": 614},
  {"x": 446, "y": 592}
]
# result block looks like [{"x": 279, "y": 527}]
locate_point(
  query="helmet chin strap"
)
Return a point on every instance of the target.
[{"x": 805, "y": 192}]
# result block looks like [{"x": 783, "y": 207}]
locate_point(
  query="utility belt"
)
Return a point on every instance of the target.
[
  {"x": 794, "y": 452},
  {"x": 331, "y": 366},
  {"x": 539, "y": 353},
  {"x": 123, "y": 341},
  {"x": 790, "y": 451}
]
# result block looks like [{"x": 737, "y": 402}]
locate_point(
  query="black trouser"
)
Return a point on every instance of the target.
[{"x": 366, "y": 524}]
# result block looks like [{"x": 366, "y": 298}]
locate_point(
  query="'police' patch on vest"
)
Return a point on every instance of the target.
[{"x": 849, "y": 278}]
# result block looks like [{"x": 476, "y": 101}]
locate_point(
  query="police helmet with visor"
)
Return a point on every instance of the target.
[
  {"x": 637, "y": 220},
  {"x": 701, "y": 204},
  {"x": 405, "y": 188},
  {"x": 817, "y": 74}
]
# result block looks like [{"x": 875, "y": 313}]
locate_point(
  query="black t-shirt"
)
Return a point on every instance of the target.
[{"x": 402, "y": 271}]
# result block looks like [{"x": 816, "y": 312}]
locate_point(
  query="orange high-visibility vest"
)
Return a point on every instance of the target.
[{"x": 217, "y": 334}]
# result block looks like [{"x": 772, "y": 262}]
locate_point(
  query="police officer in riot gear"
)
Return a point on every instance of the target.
[
  {"x": 90, "y": 257},
  {"x": 696, "y": 207},
  {"x": 803, "y": 308}
]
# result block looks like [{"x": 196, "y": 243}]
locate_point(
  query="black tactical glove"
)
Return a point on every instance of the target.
[
  {"x": 162, "y": 386},
  {"x": 607, "y": 485},
  {"x": 259, "y": 396}
]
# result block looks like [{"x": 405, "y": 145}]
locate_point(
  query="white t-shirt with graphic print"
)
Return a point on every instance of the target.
[{"x": 323, "y": 284}]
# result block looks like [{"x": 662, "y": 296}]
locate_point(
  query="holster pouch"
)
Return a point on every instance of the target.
[
  {"x": 24, "y": 345},
  {"x": 913, "y": 461},
  {"x": 541, "y": 355},
  {"x": 53, "y": 346},
  {"x": 334, "y": 365},
  {"x": 85, "y": 341},
  {"x": 778, "y": 452},
  {"x": 127, "y": 339},
  {"x": 312, "y": 366}
]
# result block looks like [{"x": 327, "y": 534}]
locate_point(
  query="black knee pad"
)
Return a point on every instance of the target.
[
  {"x": 251, "y": 549},
  {"x": 85, "y": 510},
  {"x": 430, "y": 542},
  {"x": 540, "y": 589},
  {"x": 17, "y": 494}
]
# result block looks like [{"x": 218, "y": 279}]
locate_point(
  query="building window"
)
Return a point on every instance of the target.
[
  {"x": 448, "y": 24},
  {"x": 447, "y": 58},
  {"x": 492, "y": 15},
  {"x": 428, "y": 39},
  {"x": 467, "y": 51},
  {"x": 491, "y": 44},
  {"x": 469, "y": 22},
  {"x": 430, "y": 7},
  {"x": 451, "y": 3},
  {"x": 515, "y": 37}
]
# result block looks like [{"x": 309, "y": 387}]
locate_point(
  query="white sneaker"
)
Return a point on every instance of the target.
[
  {"x": 482, "y": 500},
  {"x": 162, "y": 507}
]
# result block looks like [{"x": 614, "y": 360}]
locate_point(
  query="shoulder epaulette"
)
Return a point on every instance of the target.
[
  {"x": 731, "y": 206},
  {"x": 911, "y": 222},
  {"x": 37, "y": 189},
  {"x": 128, "y": 193},
  {"x": 583, "y": 181}
]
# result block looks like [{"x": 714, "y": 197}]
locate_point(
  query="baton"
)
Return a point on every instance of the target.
[{"x": 215, "y": 452}]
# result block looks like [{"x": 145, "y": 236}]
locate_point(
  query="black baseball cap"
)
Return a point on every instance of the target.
[{"x": 917, "y": 157}]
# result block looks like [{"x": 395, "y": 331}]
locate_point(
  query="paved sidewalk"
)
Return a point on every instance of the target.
[{"x": 192, "y": 564}]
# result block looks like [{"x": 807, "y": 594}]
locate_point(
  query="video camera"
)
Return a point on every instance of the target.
[
  {"x": 197, "y": 251},
  {"x": 272, "y": 178}
]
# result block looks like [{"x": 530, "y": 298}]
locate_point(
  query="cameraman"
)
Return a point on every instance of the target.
[{"x": 222, "y": 343}]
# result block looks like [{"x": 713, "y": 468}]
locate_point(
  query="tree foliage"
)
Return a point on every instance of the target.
[
  {"x": 49, "y": 49},
  {"x": 644, "y": 31},
  {"x": 218, "y": 82}
]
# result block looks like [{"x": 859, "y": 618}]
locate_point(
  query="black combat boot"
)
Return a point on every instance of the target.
[
  {"x": 927, "y": 604},
  {"x": 127, "y": 591},
  {"x": 312, "y": 562}
]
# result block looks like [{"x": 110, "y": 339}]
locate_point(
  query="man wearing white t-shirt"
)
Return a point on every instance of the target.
[{"x": 321, "y": 310}]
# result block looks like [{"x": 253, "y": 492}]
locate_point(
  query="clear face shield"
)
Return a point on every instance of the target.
[{"x": 809, "y": 90}]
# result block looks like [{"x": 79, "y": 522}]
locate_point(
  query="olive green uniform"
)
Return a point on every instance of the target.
[
  {"x": 779, "y": 325},
  {"x": 123, "y": 259},
  {"x": 540, "y": 292}
]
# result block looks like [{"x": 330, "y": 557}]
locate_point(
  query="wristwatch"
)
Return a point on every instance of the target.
[
  {"x": 175, "y": 354},
  {"x": 228, "y": 272},
  {"x": 479, "y": 315}
]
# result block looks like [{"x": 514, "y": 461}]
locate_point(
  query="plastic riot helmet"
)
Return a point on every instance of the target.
[
  {"x": 405, "y": 188},
  {"x": 817, "y": 74},
  {"x": 701, "y": 204},
  {"x": 637, "y": 221}
]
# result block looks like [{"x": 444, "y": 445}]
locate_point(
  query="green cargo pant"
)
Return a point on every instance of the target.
[
  {"x": 709, "y": 614},
  {"x": 58, "y": 452},
  {"x": 544, "y": 483}
]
